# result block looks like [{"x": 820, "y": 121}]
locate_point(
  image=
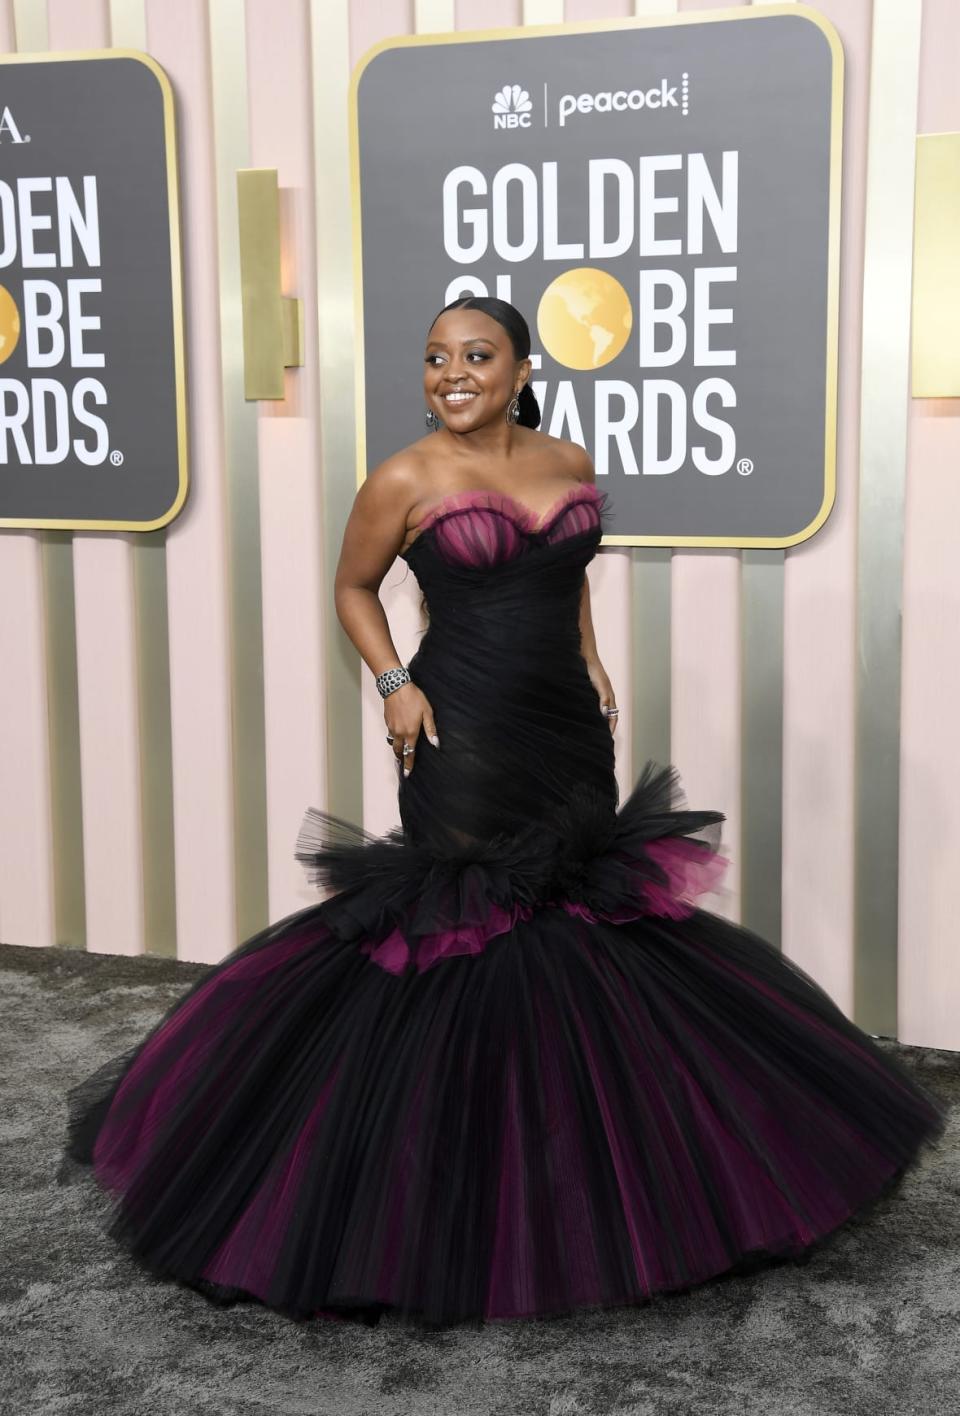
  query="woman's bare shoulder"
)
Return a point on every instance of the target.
[
  {"x": 405, "y": 461},
  {"x": 396, "y": 483}
]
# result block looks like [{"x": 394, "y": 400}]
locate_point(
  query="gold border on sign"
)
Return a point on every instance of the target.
[
  {"x": 696, "y": 17},
  {"x": 176, "y": 291}
]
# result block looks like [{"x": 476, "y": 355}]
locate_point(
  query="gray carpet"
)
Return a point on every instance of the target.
[{"x": 868, "y": 1325}]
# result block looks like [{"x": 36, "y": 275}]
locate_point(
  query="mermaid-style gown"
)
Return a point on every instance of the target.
[{"x": 507, "y": 1066}]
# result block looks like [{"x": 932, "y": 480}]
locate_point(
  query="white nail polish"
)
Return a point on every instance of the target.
[{"x": 434, "y": 739}]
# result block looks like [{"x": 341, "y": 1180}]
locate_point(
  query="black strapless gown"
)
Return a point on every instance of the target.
[{"x": 507, "y": 1066}]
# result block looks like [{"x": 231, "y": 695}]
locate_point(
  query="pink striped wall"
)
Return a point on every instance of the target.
[{"x": 706, "y": 686}]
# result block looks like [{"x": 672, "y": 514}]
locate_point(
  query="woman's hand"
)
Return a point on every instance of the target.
[
  {"x": 601, "y": 683},
  {"x": 405, "y": 710}
]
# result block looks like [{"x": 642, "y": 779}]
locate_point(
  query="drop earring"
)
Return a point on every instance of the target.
[
  {"x": 513, "y": 409},
  {"x": 431, "y": 420}
]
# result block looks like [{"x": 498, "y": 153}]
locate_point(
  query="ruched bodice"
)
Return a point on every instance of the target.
[
  {"x": 519, "y": 721},
  {"x": 489, "y": 569}
]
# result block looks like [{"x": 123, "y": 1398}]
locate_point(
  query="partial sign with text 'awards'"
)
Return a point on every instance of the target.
[{"x": 92, "y": 397}]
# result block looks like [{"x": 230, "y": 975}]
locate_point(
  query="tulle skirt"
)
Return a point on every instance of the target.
[{"x": 558, "y": 1106}]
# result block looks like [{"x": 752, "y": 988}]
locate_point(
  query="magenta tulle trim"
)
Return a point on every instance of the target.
[
  {"x": 480, "y": 528},
  {"x": 394, "y": 953},
  {"x": 407, "y": 906},
  {"x": 691, "y": 871},
  {"x": 485, "y": 499}
]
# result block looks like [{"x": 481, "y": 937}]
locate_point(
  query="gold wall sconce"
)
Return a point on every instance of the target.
[
  {"x": 936, "y": 267},
  {"x": 272, "y": 322}
]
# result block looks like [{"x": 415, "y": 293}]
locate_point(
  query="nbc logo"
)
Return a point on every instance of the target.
[{"x": 512, "y": 108}]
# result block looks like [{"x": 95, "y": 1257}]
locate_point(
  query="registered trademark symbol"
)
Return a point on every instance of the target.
[
  {"x": 745, "y": 466},
  {"x": 116, "y": 458}
]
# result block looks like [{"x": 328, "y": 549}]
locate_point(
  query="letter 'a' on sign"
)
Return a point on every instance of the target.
[{"x": 93, "y": 432}]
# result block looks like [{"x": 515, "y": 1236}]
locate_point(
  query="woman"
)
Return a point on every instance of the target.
[{"x": 508, "y": 1066}]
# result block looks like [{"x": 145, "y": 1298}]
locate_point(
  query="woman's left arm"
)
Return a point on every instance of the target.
[
  {"x": 582, "y": 466},
  {"x": 588, "y": 648},
  {"x": 588, "y": 639}
]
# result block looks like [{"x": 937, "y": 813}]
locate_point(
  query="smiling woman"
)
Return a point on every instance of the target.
[
  {"x": 509, "y": 1065},
  {"x": 470, "y": 364}
]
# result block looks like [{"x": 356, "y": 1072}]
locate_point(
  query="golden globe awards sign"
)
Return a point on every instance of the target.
[
  {"x": 92, "y": 404},
  {"x": 661, "y": 200}
]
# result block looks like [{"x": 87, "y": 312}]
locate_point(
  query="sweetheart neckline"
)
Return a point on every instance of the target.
[{"x": 505, "y": 505}]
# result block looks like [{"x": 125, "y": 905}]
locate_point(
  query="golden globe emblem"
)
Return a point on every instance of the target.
[
  {"x": 9, "y": 324},
  {"x": 584, "y": 318}
]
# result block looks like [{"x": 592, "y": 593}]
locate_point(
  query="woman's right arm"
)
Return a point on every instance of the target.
[{"x": 375, "y": 531}]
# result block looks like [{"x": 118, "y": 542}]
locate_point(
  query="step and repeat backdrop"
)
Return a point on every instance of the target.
[{"x": 657, "y": 187}]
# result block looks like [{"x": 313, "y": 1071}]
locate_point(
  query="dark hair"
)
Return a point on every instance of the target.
[{"x": 519, "y": 331}]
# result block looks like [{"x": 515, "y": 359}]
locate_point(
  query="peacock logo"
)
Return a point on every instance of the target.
[{"x": 512, "y": 108}]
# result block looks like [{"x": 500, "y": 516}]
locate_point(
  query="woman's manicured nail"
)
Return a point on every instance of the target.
[
  {"x": 434, "y": 739},
  {"x": 406, "y": 771}
]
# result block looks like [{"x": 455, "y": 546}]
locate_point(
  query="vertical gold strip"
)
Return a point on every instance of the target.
[
  {"x": 650, "y": 614},
  {"x": 128, "y": 30},
  {"x": 644, "y": 9},
  {"x": 156, "y": 743},
  {"x": 128, "y": 24},
  {"x": 433, "y": 16},
  {"x": 761, "y": 742},
  {"x": 650, "y": 611},
  {"x": 936, "y": 268},
  {"x": 543, "y": 12},
  {"x": 60, "y": 645},
  {"x": 228, "y": 63},
  {"x": 30, "y": 24},
  {"x": 341, "y": 378},
  {"x": 66, "y": 788},
  {"x": 262, "y": 304},
  {"x": 884, "y": 412},
  {"x": 761, "y": 739}
]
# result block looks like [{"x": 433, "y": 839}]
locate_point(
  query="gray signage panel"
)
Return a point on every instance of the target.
[
  {"x": 92, "y": 393},
  {"x": 661, "y": 199}
]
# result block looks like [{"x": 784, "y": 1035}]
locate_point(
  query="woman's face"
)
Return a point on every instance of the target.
[{"x": 470, "y": 353}]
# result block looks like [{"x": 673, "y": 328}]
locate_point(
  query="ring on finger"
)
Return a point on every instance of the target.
[{"x": 407, "y": 747}]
